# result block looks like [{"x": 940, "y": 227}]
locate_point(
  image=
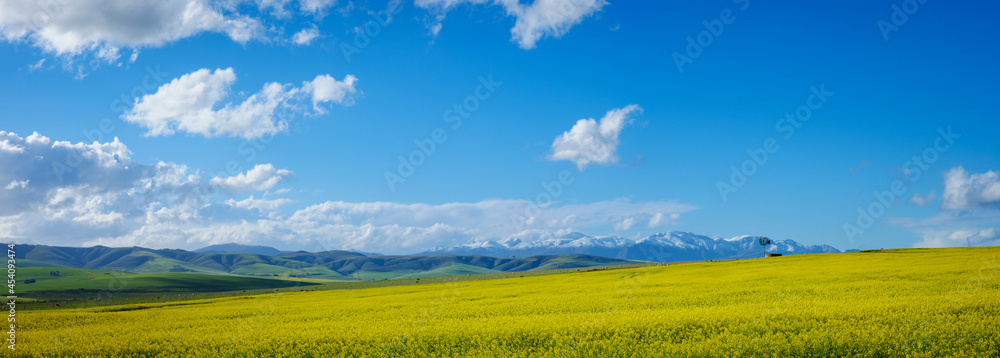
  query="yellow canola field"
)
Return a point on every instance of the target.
[{"x": 894, "y": 303}]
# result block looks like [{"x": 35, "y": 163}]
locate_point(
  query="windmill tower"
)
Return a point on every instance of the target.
[{"x": 764, "y": 241}]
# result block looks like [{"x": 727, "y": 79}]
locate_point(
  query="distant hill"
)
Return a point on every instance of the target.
[
  {"x": 348, "y": 263},
  {"x": 329, "y": 265},
  {"x": 70, "y": 283},
  {"x": 663, "y": 247},
  {"x": 239, "y": 249}
]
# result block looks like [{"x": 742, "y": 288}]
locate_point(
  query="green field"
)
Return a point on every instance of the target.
[
  {"x": 76, "y": 284},
  {"x": 887, "y": 303}
]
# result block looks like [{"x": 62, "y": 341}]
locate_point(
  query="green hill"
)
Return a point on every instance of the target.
[
  {"x": 329, "y": 265},
  {"x": 350, "y": 264},
  {"x": 61, "y": 283}
]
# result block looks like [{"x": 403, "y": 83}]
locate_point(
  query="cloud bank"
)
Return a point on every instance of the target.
[
  {"x": 66, "y": 193},
  {"x": 103, "y": 27},
  {"x": 969, "y": 212},
  {"x": 61, "y": 193},
  {"x": 965, "y": 191}
]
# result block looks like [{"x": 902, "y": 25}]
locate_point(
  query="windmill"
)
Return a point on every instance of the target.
[{"x": 763, "y": 241}]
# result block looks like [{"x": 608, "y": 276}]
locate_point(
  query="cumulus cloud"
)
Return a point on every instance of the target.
[
  {"x": 306, "y": 36},
  {"x": 950, "y": 228},
  {"x": 983, "y": 237},
  {"x": 14, "y": 184},
  {"x": 66, "y": 193},
  {"x": 965, "y": 191},
  {"x": 660, "y": 219},
  {"x": 325, "y": 88},
  {"x": 551, "y": 18},
  {"x": 103, "y": 27},
  {"x": 593, "y": 142},
  {"x": 968, "y": 215},
  {"x": 923, "y": 200},
  {"x": 280, "y": 8},
  {"x": 195, "y": 103},
  {"x": 394, "y": 228},
  {"x": 262, "y": 177},
  {"x": 387, "y": 227},
  {"x": 625, "y": 224},
  {"x": 107, "y": 198},
  {"x": 534, "y": 21},
  {"x": 316, "y": 6}
]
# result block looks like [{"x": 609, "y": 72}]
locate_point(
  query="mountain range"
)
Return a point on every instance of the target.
[
  {"x": 239, "y": 249},
  {"x": 662, "y": 247},
  {"x": 573, "y": 250},
  {"x": 329, "y": 265}
]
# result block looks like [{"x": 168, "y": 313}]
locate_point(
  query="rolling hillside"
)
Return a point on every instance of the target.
[
  {"x": 330, "y": 265},
  {"x": 239, "y": 249},
  {"x": 70, "y": 283}
]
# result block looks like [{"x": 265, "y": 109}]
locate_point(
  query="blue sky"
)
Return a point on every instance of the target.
[{"x": 664, "y": 137}]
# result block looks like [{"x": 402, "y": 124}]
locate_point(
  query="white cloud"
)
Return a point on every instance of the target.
[
  {"x": 277, "y": 7},
  {"x": 325, "y": 88},
  {"x": 6, "y": 145},
  {"x": 263, "y": 205},
  {"x": 17, "y": 184},
  {"x": 923, "y": 200},
  {"x": 593, "y": 142},
  {"x": 968, "y": 215},
  {"x": 625, "y": 224},
  {"x": 280, "y": 8},
  {"x": 109, "y": 199},
  {"x": 659, "y": 219},
  {"x": 306, "y": 36},
  {"x": 37, "y": 65},
  {"x": 551, "y": 18},
  {"x": 102, "y": 27},
  {"x": 983, "y": 237},
  {"x": 540, "y": 19},
  {"x": 66, "y": 193},
  {"x": 950, "y": 228},
  {"x": 393, "y": 228},
  {"x": 964, "y": 191},
  {"x": 262, "y": 177},
  {"x": 193, "y": 103},
  {"x": 316, "y": 6},
  {"x": 435, "y": 29}
]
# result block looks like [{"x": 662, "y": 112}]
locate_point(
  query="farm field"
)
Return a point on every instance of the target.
[
  {"x": 883, "y": 303},
  {"x": 80, "y": 284}
]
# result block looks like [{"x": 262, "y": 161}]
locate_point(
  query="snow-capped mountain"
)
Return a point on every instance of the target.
[{"x": 662, "y": 247}]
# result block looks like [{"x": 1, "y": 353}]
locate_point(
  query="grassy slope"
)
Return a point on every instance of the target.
[
  {"x": 432, "y": 266},
  {"x": 78, "y": 283},
  {"x": 448, "y": 269},
  {"x": 21, "y": 263},
  {"x": 332, "y": 265},
  {"x": 919, "y": 303}
]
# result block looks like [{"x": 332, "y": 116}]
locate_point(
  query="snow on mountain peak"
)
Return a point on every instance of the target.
[{"x": 662, "y": 247}]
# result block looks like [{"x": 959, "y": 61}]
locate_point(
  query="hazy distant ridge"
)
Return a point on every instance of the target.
[{"x": 662, "y": 247}]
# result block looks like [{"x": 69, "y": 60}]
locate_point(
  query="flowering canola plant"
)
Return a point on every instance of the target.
[{"x": 888, "y": 303}]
